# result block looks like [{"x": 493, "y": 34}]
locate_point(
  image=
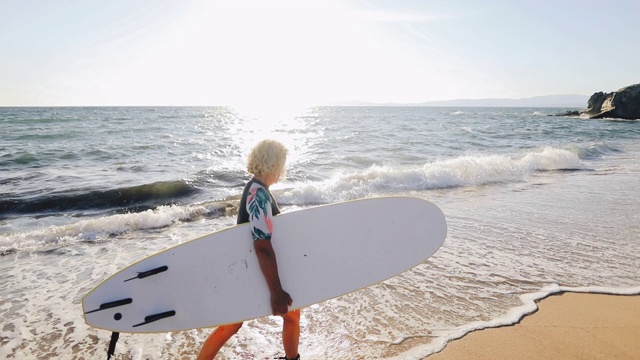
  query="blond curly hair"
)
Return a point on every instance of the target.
[{"x": 266, "y": 158}]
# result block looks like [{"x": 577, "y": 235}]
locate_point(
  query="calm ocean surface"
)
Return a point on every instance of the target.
[{"x": 535, "y": 205}]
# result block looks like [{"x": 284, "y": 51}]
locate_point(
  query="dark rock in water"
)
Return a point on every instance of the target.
[
  {"x": 7, "y": 251},
  {"x": 621, "y": 104},
  {"x": 567, "y": 113}
]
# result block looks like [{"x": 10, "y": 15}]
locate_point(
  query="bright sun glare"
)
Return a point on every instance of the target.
[
  {"x": 257, "y": 54},
  {"x": 260, "y": 55}
]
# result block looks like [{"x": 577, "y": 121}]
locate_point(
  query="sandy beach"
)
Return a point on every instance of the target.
[{"x": 566, "y": 326}]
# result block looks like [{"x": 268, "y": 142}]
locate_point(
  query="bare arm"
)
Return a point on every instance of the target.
[{"x": 280, "y": 299}]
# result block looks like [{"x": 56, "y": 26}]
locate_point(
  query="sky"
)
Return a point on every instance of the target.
[{"x": 257, "y": 53}]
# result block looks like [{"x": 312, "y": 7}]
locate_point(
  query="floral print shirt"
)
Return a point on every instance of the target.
[{"x": 258, "y": 208}]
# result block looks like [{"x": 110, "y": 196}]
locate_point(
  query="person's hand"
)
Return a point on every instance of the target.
[{"x": 280, "y": 303}]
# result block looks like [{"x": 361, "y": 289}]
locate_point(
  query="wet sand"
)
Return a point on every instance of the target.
[{"x": 566, "y": 326}]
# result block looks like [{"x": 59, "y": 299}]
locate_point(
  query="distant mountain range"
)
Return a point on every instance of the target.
[{"x": 561, "y": 101}]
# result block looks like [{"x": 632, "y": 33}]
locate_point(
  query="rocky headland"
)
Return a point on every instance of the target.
[{"x": 621, "y": 104}]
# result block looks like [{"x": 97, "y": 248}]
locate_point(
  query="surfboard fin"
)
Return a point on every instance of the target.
[
  {"x": 155, "y": 317},
  {"x": 144, "y": 274},
  {"x": 112, "y": 304}
]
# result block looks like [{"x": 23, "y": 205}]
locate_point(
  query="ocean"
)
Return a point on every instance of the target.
[{"x": 535, "y": 205}]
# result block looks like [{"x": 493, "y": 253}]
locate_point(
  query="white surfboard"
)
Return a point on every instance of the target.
[{"x": 322, "y": 252}]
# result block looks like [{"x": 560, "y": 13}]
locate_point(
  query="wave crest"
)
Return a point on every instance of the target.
[
  {"x": 103, "y": 228},
  {"x": 468, "y": 170},
  {"x": 128, "y": 198}
]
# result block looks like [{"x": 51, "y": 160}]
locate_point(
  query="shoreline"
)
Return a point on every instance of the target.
[{"x": 566, "y": 325}]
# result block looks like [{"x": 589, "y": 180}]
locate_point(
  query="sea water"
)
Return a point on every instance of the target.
[{"x": 535, "y": 204}]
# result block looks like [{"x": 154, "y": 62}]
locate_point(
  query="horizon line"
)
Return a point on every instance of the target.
[{"x": 355, "y": 103}]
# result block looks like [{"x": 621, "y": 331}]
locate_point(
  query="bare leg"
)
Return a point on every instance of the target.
[
  {"x": 291, "y": 333},
  {"x": 216, "y": 340}
]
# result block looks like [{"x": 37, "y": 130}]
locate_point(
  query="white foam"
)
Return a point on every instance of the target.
[
  {"x": 98, "y": 229},
  {"x": 467, "y": 170},
  {"x": 551, "y": 159}
]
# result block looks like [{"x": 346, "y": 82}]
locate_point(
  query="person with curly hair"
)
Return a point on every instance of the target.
[{"x": 257, "y": 207}]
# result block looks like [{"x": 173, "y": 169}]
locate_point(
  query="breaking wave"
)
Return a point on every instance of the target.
[
  {"x": 468, "y": 170},
  {"x": 132, "y": 198}
]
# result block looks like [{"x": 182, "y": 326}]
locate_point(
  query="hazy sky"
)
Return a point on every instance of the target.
[{"x": 199, "y": 52}]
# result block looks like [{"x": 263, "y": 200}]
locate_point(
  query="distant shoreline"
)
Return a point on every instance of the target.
[
  {"x": 562, "y": 101},
  {"x": 568, "y": 106},
  {"x": 547, "y": 101}
]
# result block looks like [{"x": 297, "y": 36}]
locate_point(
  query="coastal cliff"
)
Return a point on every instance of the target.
[{"x": 621, "y": 104}]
